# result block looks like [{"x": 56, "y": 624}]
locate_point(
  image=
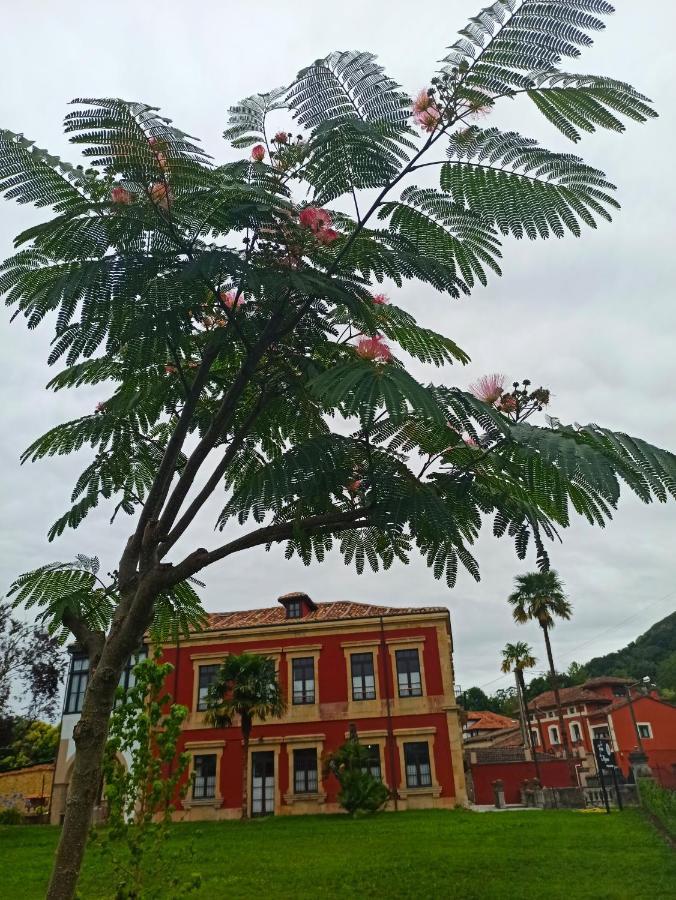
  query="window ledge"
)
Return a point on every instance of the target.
[
  {"x": 318, "y": 797},
  {"x": 434, "y": 790},
  {"x": 216, "y": 802}
]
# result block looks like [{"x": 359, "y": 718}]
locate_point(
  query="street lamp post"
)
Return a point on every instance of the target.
[{"x": 645, "y": 681}]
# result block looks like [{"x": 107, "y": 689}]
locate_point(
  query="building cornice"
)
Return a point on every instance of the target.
[{"x": 277, "y": 630}]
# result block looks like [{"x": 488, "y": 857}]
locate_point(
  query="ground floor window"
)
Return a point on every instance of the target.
[
  {"x": 417, "y": 760},
  {"x": 372, "y": 762},
  {"x": 204, "y": 783},
  {"x": 575, "y": 732},
  {"x": 305, "y": 780},
  {"x": 554, "y": 734}
]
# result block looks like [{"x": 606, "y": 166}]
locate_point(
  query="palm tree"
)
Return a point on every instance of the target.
[
  {"x": 540, "y": 596},
  {"x": 517, "y": 657},
  {"x": 246, "y": 686}
]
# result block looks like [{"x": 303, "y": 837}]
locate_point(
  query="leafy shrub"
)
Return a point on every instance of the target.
[
  {"x": 360, "y": 790},
  {"x": 10, "y": 816},
  {"x": 661, "y": 802}
]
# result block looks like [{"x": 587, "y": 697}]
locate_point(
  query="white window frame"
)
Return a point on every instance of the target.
[
  {"x": 572, "y": 726},
  {"x": 551, "y": 729},
  {"x": 648, "y": 726}
]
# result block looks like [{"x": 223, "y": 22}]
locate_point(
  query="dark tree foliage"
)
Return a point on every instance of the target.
[
  {"x": 641, "y": 657},
  {"x": 32, "y": 666}
]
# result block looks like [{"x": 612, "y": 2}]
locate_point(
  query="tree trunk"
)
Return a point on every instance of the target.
[
  {"x": 90, "y": 739},
  {"x": 246, "y": 733},
  {"x": 90, "y": 736},
  {"x": 522, "y": 708},
  {"x": 557, "y": 697},
  {"x": 531, "y": 740}
]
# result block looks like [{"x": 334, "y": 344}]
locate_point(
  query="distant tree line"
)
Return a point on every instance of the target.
[
  {"x": 505, "y": 702},
  {"x": 32, "y": 665}
]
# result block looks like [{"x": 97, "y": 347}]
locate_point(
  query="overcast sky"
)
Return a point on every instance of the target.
[{"x": 594, "y": 319}]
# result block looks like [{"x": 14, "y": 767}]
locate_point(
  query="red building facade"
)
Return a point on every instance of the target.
[
  {"x": 386, "y": 671},
  {"x": 600, "y": 708}
]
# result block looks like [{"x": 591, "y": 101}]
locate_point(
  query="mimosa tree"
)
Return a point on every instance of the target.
[{"x": 234, "y": 319}]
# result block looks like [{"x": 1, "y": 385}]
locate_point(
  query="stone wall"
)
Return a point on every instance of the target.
[{"x": 20, "y": 786}]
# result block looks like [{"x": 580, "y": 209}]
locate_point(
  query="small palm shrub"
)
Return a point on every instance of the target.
[{"x": 360, "y": 790}]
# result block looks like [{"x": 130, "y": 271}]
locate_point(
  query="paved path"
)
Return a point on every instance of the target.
[{"x": 480, "y": 807}]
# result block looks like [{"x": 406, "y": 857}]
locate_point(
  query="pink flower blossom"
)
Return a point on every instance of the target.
[
  {"x": 281, "y": 137},
  {"x": 428, "y": 118},
  {"x": 379, "y": 299},
  {"x": 170, "y": 370},
  {"x": 100, "y": 407},
  {"x": 507, "y": 403},
  {"x": 315, "y": 219},
  {"x": 353, "y": 486},
  {"x": 230, "y": 299},
  {"x": 119, "y": 195},
  {"x": 468, "y": 439},
  {"x": 327, "y": 235},
  {"x": 258, "y": 153},
  {"x": 422, "y": 101},
  {"x": 374, "y": 348},
  {"x": 425, "y": 111},
  {"x": 161, "y": 195},
  {"x": 488, "y": 388}
]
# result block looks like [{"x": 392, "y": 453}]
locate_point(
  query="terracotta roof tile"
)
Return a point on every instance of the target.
[
  {"x": 488, "y": 721},
  {"x": 325, "y": 612},
  {"x": 577, "y": 694},
  {"x": 504, "y": 737}
]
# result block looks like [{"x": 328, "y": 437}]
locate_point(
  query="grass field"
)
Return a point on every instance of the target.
[{"x": 538, "y": 854}]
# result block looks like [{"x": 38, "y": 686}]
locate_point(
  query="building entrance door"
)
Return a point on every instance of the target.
[{"x": 263, "y": 783}]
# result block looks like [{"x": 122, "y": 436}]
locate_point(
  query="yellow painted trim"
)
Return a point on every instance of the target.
[
  {"x": 413, "y": 732},
  {"x": 305, "y": 742},
  {"x": 400, "y": 736},
  {"x": 408, "y": 705},
  {"x": 302, "y": 712},
  {"x": 214, "y": 654},
  {"x": 197, "y": 718},
  {"x": 301, "y": 648},
  {"x": 406, "y": 640},
  {"x": 361, "y": 708},
  {"x": 272, "y": 745},
  {"x": 374, "y": 642},
  {"x": 217, "y": 747},
  {"x": 203, "y": 745},
  {"x": 366, "y": 735}
]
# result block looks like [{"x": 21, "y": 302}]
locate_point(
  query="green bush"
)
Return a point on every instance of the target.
[
  {"x": 360, "y": 790},
  {"x": 661, "y": 802},
  {"x": 10, "y": 816}
]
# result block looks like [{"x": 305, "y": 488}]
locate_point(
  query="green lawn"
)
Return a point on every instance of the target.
[{"x": 431, "y": 854}]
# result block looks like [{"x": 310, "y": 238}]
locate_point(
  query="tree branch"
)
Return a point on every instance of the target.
[
  {"x": 92, "y": 641},
  {"x": 165, "y": 473},
  {"x": 212, "y": 482},
  {"x": 322, "y": 523}
]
